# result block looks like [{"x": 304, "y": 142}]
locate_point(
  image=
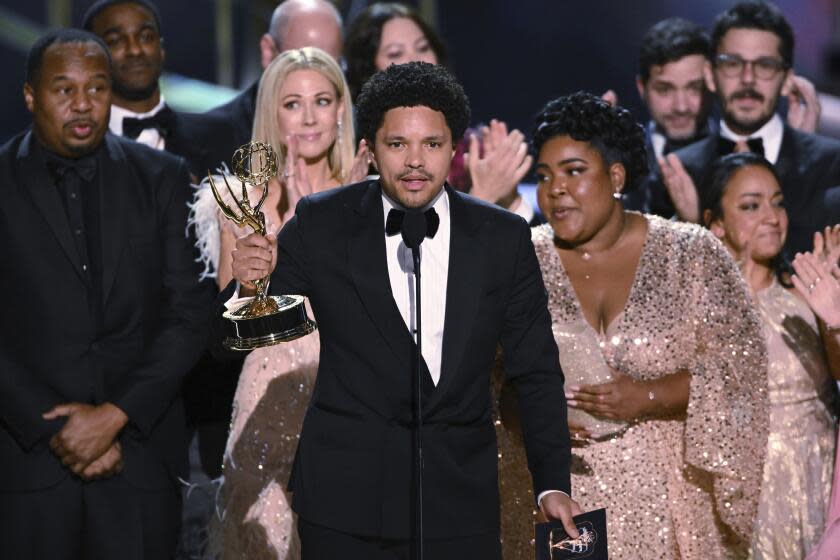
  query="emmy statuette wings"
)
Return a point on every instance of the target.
[{"x": 265, "y": 320}]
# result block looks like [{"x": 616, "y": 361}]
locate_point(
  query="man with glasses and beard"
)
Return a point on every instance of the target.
[{"x": 750, "y": 68}]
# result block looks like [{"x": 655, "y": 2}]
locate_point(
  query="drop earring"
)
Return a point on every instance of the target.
[{"x": 617, "y": 195}]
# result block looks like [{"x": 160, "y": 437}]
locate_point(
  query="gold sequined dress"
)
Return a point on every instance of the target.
[
  {"x": 684, "y": 488},
  {"x": 268, "y": 409},
  {"x": 800, "y": 451}
]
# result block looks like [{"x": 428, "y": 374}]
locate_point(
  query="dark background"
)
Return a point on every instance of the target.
[{"x": 511, "y": 55}]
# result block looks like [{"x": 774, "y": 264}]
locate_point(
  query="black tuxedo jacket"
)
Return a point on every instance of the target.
[
  {"x": 353, "y": 469},
  {"x": 239, "y": 113},
  {"x": 153, "y": 312},
  {"x": 201, "y": 139},
  {"x": 808, "y": 165}
]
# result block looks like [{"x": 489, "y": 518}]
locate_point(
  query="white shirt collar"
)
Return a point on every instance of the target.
[
  {"x": 771, "y": 136},
  {"x": 119, "y": 113}
]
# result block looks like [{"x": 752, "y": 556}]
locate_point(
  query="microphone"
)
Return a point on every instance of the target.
[{"x": 413, "y": 232}]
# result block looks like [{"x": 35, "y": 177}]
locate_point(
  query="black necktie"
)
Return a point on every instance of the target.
[
  {"x": 393, "y": 225},
  {"x": 727, "y": 146},
  {"x": 161, "y": 121}
]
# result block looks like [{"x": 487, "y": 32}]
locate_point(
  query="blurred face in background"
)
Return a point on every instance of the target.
[
  {"x": 403, "y": 41},
  {"x": 753, "y": 222},
  {"x": 309, "y": 111},
  {"x": 675, "y": 94},
  {"x": 575, "y": 188},
  {"x": 70, "y": 100},
  {"x": 132, "y": 36}
]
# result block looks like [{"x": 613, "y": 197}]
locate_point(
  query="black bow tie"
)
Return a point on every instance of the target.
[
  {"x": 162, "y": 121},
  {"x": 727, "y": 146},
  {"x": 84, "y": 167},
  {"x": 393, "y": 225}
]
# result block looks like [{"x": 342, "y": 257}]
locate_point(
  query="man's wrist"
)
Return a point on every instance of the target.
[{"x": 117, "y": 418}]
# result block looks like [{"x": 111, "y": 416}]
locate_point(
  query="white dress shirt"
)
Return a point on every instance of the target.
[
  {"x": 434, "y": 269},
  {"x": 150, "y": 137},
  {"x": 771, "y": 136}
]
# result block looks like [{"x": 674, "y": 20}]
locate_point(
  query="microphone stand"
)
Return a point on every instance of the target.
[{"x": 413, "y": 233}]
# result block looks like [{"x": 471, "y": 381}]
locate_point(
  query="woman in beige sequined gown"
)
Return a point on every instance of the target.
[
  {"x": 674, "y": 324},
  {"x": 744, "y": 208},
  {"x": 301, "y": 105}
]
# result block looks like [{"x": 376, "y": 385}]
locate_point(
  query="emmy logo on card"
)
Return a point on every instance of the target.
[{"x": 581, "y": 547}]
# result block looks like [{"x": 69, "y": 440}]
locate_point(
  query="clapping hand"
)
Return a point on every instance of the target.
[
  {"x": 680, "y": 187},
  {"x": 827, "y": 244},
  {"x": 295, "y": 181},
  {"x": 361, "y": 164},
  {"x": 496, "y": 173},
  {"x": 803, "y": 105},
  {"x": 623, "y": 398},
  {"x": 818, "y": 282}
]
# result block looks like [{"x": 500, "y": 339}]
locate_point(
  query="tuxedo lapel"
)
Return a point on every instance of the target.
[
  {"x": 369, "y": 269},
  {"x": 114, "y": 179},
  {"x": 463, "y": 289},
  {"x": 44, "y": 193}
]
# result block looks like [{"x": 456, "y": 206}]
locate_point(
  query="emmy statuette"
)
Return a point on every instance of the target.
[{"x": 264, "y": 320}]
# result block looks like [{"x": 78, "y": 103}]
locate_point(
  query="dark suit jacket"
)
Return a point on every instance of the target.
[
  {"x": 353, "y": 469},
  {"x": 808, "y": 165},
  {"x": 201, "y": 139},
  {"x": 239, "y": 113},
  {"x": 154, "y": 313}
]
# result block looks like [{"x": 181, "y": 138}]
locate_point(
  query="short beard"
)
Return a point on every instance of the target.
[{"x": 130, "y": 93}]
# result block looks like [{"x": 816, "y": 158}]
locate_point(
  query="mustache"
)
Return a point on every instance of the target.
[
  {"x": 416, "y": 173},
  {"x": 746, "y": 93},
  {"x": 79, "y": 122}
]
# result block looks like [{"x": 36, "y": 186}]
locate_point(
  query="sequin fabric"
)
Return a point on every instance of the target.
[
  {"x": 800, "y": 450},
  {"x": 271, "y": 399},
  {"x": 683, "y": 488}
]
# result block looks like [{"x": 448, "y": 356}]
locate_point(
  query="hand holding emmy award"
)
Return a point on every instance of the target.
[{"x": 264, "y": 320}]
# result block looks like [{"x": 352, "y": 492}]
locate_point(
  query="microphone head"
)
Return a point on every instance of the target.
[{"x": 413, "y": 229}]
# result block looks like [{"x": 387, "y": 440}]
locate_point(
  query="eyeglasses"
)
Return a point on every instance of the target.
[{"x": 765, "y": 68}]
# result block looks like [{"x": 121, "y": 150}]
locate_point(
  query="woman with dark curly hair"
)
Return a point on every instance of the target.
[
  {"x": 661, "y": 348},
  {"x": 388, "y": 33},
  {"x": 743, "y": 206}
]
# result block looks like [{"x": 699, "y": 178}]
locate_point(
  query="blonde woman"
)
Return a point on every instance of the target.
[{"x": 304, "y": 112}]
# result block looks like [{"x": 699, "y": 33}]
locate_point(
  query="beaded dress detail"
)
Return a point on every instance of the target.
[{"x": 681, "y": 488}]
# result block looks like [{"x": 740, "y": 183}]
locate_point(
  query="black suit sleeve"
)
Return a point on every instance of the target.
[
  {"x": 533, "y": 366},
  {"x": 292, "y": 273},
  {"x": 23, "y": 400},
  {"x": 180, "y": 336}
]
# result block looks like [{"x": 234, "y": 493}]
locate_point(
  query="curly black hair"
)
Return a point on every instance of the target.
[
  {"x": 413, "y": 84},
  {"x": 611, "y": 130},
  {"x": 668, "y": 41}
]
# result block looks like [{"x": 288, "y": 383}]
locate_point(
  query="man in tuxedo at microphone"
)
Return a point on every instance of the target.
[{"x": 480, "y": 287}]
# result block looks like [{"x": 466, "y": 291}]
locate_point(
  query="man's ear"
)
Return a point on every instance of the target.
[
  {"x": 162, "y": 53},
  {"x": 640, "y": 87},
  {"x": 29, "y": 97},
  {"x": 268, "y": 50},
  {"x": 789, "y": 84},
  {"x": 709, "y": 75}
]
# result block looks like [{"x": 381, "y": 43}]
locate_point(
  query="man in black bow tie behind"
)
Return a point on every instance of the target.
[
  {"x": 131, "y": 29},
  {"x": 480, "y": 286},
  {"x": 750, "y": 68},
  {"x": 102, "y": 319}
]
